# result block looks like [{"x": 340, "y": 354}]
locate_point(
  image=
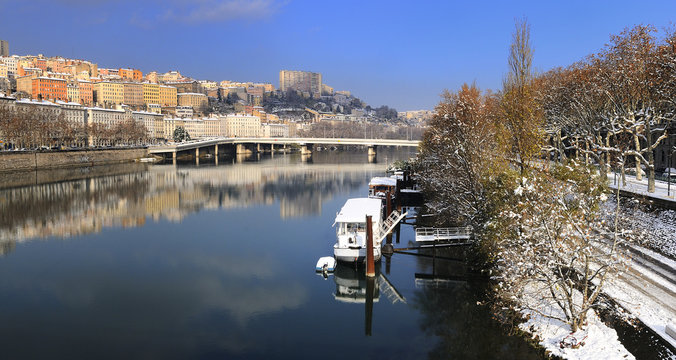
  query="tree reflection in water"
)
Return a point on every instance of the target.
[{"x": 448, "y": 299}]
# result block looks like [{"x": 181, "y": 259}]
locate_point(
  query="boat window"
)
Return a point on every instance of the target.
[
  {"x": 340, "y": 229},
  {"x": 356, "y": 227}
]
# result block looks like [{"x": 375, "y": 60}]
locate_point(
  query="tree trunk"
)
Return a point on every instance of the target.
[
  {"x": 651, "y": 157},
  {"x": 561, "y": 150},
  {"x": 637, "y": 147},
  {"x": 607, "y": 152},
  {"x": 603, "y": 169}
]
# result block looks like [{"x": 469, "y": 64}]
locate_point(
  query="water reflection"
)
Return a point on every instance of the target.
[
  {"x": 89, "y": 204},
  {"x": 234, "y": 282},
  {"x": 447, "y": 297},
  {"x": 351, "y": 285}
]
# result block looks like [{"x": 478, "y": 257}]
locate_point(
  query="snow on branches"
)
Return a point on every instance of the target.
[{"x": 549, "y": 247}]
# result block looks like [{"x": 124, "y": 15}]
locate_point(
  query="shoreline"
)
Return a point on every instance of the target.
[{"x": 11, "y": 161}]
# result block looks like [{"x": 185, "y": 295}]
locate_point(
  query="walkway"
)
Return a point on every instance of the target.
[{"x": 663, "y": 192}]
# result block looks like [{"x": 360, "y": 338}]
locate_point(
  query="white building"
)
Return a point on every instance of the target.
[
  {"x": 12, "y": 63},
  {"x": 274, "y": 130},
  {"x": 153, "y": 122},
  {"x": 184, "y": 111},
  {"x": 243, "y": 126}
]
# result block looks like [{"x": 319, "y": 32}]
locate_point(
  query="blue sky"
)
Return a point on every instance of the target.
[{"x": 400, "y": 54}]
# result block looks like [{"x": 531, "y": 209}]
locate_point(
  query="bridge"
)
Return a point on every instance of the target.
[{"x": 255, "y": 144}]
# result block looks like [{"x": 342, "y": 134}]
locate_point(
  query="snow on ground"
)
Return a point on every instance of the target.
[
  {"x": 600, "y": 341},
  {"x": 643, "y": 292},
  {"x": 647, "y": 296},
  {"x": 654, "y": 228}
]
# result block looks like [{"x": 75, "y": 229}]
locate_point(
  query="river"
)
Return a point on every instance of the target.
[{"x": 217, "y": 261}]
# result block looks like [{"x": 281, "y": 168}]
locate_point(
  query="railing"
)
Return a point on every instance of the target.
[
  {"x": 389, "y": 224},
  {"x": 462, "y": 232}
]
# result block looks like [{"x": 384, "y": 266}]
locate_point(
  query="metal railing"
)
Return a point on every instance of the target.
[{"x": 444, "y": 233}]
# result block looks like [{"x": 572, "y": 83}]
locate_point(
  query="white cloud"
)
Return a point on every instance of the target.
[{"x": 220, "y": 10}]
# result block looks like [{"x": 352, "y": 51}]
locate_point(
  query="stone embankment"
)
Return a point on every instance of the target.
[{"x": 31, "y": 161}]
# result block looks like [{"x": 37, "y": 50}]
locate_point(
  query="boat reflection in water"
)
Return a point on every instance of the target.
[{"x": 353, "y": 286}]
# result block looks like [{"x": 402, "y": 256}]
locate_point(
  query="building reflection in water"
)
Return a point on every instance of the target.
[{"x": 135, "y": 193}]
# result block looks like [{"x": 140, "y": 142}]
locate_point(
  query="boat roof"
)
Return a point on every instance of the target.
[
  {"x": 355, "y": 210},
  {"x": 383, "y": 181}
]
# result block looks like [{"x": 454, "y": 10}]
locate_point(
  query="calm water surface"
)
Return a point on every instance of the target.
[{"x": 218, "y": 262}]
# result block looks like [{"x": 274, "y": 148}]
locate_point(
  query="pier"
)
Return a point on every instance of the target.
[{"x": 428, "y": 234}]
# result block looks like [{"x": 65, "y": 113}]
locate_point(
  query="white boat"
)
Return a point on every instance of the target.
[
  {"x": 326, "y": 264},
  {"x": 380, "y": 186},
  {"x": 350, "y": 226}
]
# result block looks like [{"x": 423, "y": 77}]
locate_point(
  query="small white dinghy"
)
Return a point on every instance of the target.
[{"x": 326, "y": 264}]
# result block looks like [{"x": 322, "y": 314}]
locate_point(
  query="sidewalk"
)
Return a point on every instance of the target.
[{"x": 641, "y": 187}]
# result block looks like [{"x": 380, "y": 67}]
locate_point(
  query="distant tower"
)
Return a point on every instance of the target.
[
  {"x": 305, "y": 81},
  {"x": 4, "y": 48}
]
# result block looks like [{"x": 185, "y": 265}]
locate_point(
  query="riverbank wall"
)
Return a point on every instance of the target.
[{"x": 33, "y": 161}]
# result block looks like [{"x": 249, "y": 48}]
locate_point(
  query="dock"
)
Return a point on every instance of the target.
[{"x": 430, "y": 234}]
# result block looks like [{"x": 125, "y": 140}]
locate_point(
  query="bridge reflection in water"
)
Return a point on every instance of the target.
[{"x": 128, "y": 195}]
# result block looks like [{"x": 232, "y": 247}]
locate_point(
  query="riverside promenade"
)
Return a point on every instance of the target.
[{"x": 664, "y": 195}]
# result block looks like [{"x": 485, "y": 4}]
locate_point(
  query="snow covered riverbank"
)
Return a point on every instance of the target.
[{"x": 595, "y": 341}]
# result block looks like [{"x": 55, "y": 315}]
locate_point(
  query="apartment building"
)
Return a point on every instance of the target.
[
  {"x": 108, "y": 93},
  {"x": 133, "y": 94},
  {"x": 4, "y": 48},
  {"x": 168, "y": 96},
  {"x": 130, "y": 74},
  {"x": 151, "y": 93},
  {"x": 306, "y": 82},
  {"x": 45, "y": 88},
  {"x": 242, "y": 126},
  {"x": 11, "y": 62},
  {"x": 194, "y": 100},
  {"x": 86, "y": 91}
]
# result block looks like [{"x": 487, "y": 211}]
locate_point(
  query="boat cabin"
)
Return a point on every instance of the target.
[
  {"x": 351, "y": 221},
  {"x": 379, "y": 186}
]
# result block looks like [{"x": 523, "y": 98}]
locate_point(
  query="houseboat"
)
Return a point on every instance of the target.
[
  {"x": 350, "y": 226},
  {"x": 380, "y": 186}
]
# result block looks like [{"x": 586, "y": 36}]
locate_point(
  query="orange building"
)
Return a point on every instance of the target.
[
  {"x": 49, "y": 89},
  {"x": 86, "y": 92},
  {"x": 40, "y": 63},
  {"x": 131, "y": 74}
]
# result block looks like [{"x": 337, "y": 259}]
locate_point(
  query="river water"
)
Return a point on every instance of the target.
[{"x": 217, "y": 261}]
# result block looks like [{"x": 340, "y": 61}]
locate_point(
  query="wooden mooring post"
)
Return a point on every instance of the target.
[
  {"x": 368, "y": 316},
  {"x": 370, "y": 261}
]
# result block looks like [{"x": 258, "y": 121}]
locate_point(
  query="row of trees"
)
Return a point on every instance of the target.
[
  {"x": 361, "y": 131},
  {"x": 485, "y": 162},
  {"x": 614, "y": 107},
  {"x": 31, "y": 128}
]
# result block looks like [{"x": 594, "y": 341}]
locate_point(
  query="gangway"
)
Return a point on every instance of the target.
[
  {"x": 388, "y": 225},
  {"x": 429, "y": 234}
]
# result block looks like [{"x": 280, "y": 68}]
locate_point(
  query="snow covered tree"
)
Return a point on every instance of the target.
[
  {"x": 639, "y": 83},
  {"x": 457, "y": 154},
  {"x": 180, "y": 134},
  {"x": 550, "y": 251}
]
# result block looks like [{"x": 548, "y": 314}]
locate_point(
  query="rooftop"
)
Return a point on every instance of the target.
[{"x": 355, "y": 210}]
